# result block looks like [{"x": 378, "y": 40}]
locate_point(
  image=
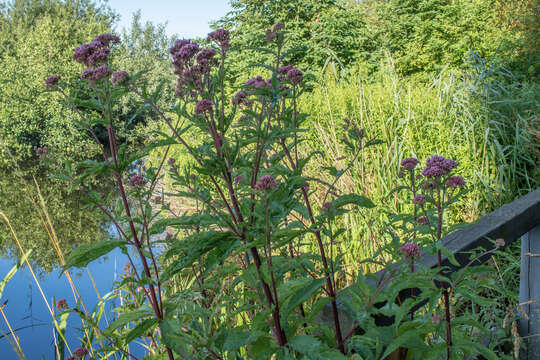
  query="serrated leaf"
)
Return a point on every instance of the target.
[{"x": 85, "y": 254}]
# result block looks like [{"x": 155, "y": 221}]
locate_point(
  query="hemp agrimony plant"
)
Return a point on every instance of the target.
[{"x": 250, "y": 259}]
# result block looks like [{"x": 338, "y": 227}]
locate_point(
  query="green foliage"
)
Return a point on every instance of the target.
[
  {"x": 37, "y": 39},
  {"x": 482, "y": 117},
  {"x": 422, "y": 36}
]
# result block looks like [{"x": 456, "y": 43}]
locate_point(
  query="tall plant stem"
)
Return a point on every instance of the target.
[
  {"x": 446, "y": 297},
  {"x": 327, "y": 271}
]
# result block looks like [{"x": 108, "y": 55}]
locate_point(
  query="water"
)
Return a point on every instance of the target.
[{"x": 27, "y": 312}]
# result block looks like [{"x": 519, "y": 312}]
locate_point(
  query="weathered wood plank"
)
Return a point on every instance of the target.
[{"x": 529, "y": 290}]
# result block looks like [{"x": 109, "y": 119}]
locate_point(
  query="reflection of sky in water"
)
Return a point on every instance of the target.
[{"x": 25, "y": 305}]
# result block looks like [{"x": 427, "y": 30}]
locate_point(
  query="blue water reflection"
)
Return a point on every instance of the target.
[{"x": 27, "y": 311}]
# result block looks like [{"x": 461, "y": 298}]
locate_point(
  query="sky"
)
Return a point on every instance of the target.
[{"x": 187, "y": 18}]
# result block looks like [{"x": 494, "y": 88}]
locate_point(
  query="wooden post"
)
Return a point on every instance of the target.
[{"x": 529, "y": 291}]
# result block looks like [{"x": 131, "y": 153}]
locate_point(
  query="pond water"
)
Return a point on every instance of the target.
[{"x": 28, "y": 314}]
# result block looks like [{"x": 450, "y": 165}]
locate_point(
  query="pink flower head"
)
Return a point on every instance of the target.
[
  {"x": 410, "y": 251},
  {"x": 266, "y": 183},
  {"x": 42, "y": 151},
  {"x": 437, "y": 166},
  {"x": 52, "y": 81},
  {"x": 137, "y": 180},
  {"x": 436, "y": 319},
  {"x": 221, "y": 36},
  {"x": 203, "y": 106},
  {"x": 409, "y": 163},
  {"x": 295, "y": 76},
  {"x": 423, "y": 220},
  {"x": 61, "y": 304},
  {"x": 419, "y": 199},
  {"x": 120, "y": 77},
  {"x": 455, "y": 181},
  {"x": 80, "y": 352},
  {"x": 157, "y": 199}
]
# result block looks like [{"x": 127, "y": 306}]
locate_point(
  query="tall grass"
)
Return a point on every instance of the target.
[{"x": 483, "y": 119}]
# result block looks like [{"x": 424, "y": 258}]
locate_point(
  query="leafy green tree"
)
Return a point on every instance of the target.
[{"x": 319, "y": 30}]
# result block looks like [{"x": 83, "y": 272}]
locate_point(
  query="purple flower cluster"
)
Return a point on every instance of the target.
[
  {"x": 221, "y": 37},
  {"x": 258, "y": 82},
  {"x": 191, "y": 64},
  {"x": 120, "y": 77},
  {"x": 96, "y": 52},
  {"x": 95, "y": 56},
  {"x": 437, "y": 166},
  {"x": 203, "y": 106},
  {"x": 241, "y": 98},
  {"x": 93, "y": 74},
  {"x": 409, "y": 163},
  {"x": 137, "y": 181},
  {"x": 266, "y": 183},
  {"x": 52, "y": 81},
  {"x": 455, "y": 182},
  {"x": 410, "y": 251},
  {"x": 295, "y": 76}
]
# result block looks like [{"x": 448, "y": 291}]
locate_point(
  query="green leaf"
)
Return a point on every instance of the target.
[
  {"x": 141, "y": 329},
  {"x": 302, "y": 294},
  {"x": 313, "y": 349},
  {"x": 237, "y": 338},
  {"x": 127, "y": 318},
  {"x": 85, "y": 254},
  {"x": 12, "y": 272},
  {"x": 353, "y": 199}
]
